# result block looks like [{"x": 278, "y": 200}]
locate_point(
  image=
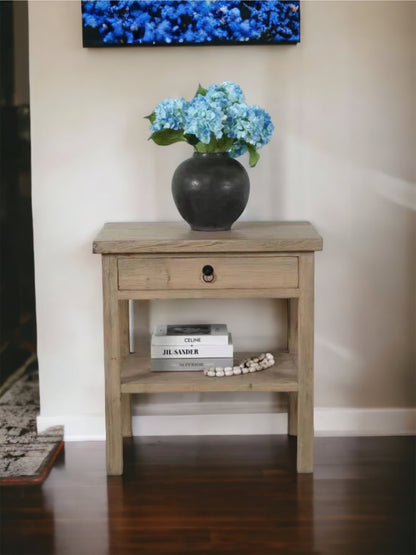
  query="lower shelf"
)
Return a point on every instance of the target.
[{"x": 137, "y": 377}]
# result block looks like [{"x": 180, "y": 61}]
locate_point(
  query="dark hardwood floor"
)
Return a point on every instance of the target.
[{"x": 240, "y": 495}]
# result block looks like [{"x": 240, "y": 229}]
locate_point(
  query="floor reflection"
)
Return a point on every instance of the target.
[
  {"x": 364, "y": 493},
  {"x": 191, "y": 495},
  {"x": 235, "y": 495},
  {"x": 76, "y": 493}
]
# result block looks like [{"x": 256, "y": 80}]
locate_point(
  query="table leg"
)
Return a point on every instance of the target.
[
  {"x": 292, "y": 414},
  {"x": 112, "y": 352},
  {"x": 305, "y": 364},
  {"x": 292, "y": 345},
  {"x": 125, "y": 351},
  {"x": 126, "y": 417}
]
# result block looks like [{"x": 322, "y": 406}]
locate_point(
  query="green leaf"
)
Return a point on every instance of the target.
[
  {"x": 224, "y": 144},
  {"x": 202, "y": 147},
  {"x": 191, "y": 139},
  {"x": 213, "y": 146},
  {"x": 254, "y": 155},
  {"x": 201, "y": 91},
  {"x": 166, "y": 137},
  {"x": 151, "y": 117}
]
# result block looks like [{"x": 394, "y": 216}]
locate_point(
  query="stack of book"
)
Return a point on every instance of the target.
[{"x": 186, "y": 347}]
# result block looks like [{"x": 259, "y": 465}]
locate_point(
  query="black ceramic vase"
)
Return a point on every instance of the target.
[{"x": 210, "y": 191}]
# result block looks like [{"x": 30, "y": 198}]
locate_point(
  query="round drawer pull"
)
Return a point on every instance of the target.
[{"x": 208, "y": 273}]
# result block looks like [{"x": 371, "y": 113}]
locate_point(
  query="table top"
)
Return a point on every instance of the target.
[{"x": 177, "y": 237}]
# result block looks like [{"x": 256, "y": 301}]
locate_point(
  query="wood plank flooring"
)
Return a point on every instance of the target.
[{"x": 223, "y": 495}]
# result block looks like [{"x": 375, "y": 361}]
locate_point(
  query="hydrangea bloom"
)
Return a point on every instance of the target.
[
  {"x": 204, "y": 119},
  {"x": 217, "y": 119},
  {"x": 225, "y": 94},
  {"x": 252, "y": 125},
  {"x": 170, "y": 114}
]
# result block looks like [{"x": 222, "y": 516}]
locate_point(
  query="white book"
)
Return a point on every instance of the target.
[
  {"x": 188, "y": 364},
  {"x": 190, "y": 334},
  {"x": 192, "y": 351}
]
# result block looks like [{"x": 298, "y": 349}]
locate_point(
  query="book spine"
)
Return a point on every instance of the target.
[
  {"x": 188, "y": 365},
  {"x": 192, "y": 351},
  {"x": 190, "y": 340}
]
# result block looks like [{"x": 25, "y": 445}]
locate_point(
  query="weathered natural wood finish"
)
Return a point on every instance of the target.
[
  {"x": 292, "y": 325},
  {"x": 124, "y": 328},
  {"x": 112, "y": 355},
  {"x": 305, "y": 429},
  {"x": 126, "y": 420},
  {"x": 254, "y": 293},
  {"x": 292, "y": 414},
  {"x": 126, "y": 416},
  {"x": 237, "y": 272},
  {"x": 292, "y": 344},
  {"x": 137, "y": 377},
  {"x": 165, "y": 261},
  {"x": 147, "y": 237}
]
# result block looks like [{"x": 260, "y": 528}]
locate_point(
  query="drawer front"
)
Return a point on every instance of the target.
[{"x": 184, "y": 273}]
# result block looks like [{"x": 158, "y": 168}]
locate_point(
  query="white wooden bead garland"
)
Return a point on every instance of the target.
[{"x": 249, "y": 365}]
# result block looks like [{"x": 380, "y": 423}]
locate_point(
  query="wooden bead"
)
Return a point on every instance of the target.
[{"x": 249, "y": 365}]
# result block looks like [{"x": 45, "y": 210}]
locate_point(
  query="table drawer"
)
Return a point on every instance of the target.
[{"x": 235, "y": 272}]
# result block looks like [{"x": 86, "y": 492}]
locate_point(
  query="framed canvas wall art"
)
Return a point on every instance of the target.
[{"x": 189, "y": 22}]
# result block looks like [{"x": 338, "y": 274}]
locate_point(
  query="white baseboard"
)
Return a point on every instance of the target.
[
  {"x": 328, "y": 421},
  {"x": 76, "y": 428},
  {"x": 361, "y": 422}
]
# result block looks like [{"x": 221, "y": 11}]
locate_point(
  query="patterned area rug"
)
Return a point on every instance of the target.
[{"x": 25, "y": 456}]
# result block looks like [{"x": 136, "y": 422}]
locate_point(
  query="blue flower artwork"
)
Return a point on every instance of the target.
[{"x": 189, "y": 22}]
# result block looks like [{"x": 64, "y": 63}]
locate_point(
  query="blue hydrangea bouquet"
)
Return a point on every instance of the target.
[{"x": 217, "y": 119}]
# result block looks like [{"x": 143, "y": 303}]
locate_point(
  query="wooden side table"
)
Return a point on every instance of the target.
[{"x": 165, "y": 261}]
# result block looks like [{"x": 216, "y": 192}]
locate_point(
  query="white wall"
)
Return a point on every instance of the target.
[{"x": 342, "y": 157}]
